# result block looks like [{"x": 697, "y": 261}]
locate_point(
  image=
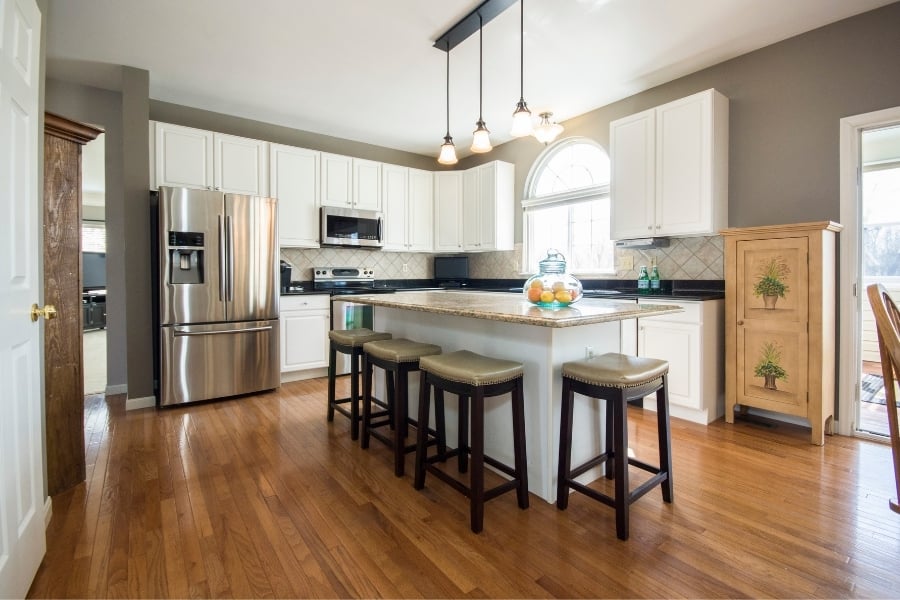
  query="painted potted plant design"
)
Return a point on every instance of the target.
[
  {"x": 770, "y": 282},
  {"x": 768, "y": 366}
]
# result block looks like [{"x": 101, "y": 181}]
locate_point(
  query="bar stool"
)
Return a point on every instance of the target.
[
  {"x": 398, "y": 357},
  {"x": 616, "y": 378},
  {"x": 350, "y": 342},
  {"x": 473, "y": 378}
]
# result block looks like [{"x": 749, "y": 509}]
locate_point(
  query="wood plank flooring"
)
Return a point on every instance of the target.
[{"x": 260, "y": 497}]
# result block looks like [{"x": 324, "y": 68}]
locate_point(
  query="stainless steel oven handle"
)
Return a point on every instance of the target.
[{"x": 179, "y": 332}]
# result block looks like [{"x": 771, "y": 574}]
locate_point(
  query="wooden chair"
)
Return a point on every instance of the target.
[{"x": 887, "y": 320}]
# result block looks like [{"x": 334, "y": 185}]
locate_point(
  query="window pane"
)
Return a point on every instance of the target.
[{"x": 93, "y": 236}]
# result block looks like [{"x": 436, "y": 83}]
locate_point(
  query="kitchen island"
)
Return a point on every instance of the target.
[{"x": 507, "y": 326}]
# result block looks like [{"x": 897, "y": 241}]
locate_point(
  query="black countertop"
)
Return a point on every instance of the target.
[{"x": 612, "y": 289}]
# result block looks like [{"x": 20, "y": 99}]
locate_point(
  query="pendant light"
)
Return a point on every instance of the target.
[
  {"x": 481, "y": 141},
  {"x": 448, "y": 150},
  {"x": 521, "y": 123},
  {"x": 546, "y": 131}
]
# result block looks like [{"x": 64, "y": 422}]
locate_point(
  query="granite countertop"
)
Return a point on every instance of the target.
[{"x": 498, "y": 306}]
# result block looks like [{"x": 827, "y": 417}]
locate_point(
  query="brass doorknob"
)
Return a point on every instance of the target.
[{"x": 48, "y": 312}]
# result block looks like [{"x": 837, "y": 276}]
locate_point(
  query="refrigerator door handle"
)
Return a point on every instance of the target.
[
  {"x": 179, "y": 332},
  {"x": 221, "y": 260},
  {"x": 230, "y": 227}
]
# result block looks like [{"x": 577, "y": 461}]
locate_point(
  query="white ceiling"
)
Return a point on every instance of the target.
[{"x": 366, "y": 70}]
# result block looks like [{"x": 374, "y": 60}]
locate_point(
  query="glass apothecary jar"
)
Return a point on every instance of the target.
[{"x": 552, "y": 287}]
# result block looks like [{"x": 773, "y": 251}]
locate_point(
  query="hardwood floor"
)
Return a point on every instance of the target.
[{"x": 261, "y": 497}]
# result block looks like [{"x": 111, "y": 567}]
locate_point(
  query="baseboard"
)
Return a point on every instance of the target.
[
  {"x": 301, "y": 375},
  {"x": 113, "y": 390},
  {"x": 48, "y": 511},
  {"x": 137, "y": 403}
]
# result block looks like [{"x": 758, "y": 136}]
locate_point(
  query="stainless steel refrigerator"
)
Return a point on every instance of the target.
[{"x": 218, "y": 295}]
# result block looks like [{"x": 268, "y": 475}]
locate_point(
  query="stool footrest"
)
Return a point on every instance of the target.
[{"x": 599, "y": 460}]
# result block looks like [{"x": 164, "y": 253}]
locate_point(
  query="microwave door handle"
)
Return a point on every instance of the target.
[
  {"x": 380, "y": 223},
  {"x": 230, "y": 233},
  {"x": 221, "y": 260}
]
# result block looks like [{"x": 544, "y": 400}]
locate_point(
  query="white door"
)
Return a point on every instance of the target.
[{"x": 22, "y": 543}]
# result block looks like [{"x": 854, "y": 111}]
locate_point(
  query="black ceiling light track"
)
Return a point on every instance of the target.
[{"x": 471, "y": 23}]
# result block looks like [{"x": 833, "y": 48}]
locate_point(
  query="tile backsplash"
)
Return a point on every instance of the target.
[{"x": 684, "y": 258}]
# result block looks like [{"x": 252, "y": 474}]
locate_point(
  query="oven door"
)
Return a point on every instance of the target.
[
  {"x": 348, "y": 227},
  {"x": 346, "y": 314}
]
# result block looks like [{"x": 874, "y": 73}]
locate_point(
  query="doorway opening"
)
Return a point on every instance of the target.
[
  {"x": 870, "y": 253},
  {"x": 93, "y": 262}
]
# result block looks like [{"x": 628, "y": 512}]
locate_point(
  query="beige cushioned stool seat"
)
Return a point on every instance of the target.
[
  {"x": 400, "y": 350},
  {"x": 356, "y": 337},
  {"x": 615, "y": 370},
  {"x": 467, "y": 367}
]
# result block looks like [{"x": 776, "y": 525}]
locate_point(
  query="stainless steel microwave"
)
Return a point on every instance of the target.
[{"x": 349, "y": 227}]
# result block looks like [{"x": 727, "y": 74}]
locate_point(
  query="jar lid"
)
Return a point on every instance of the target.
[{"x": 554, "y": 263}]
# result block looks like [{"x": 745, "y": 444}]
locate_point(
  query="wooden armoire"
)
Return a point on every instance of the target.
[
  {"x": 63, "y": 374},
  {"x": 780, "y": 288}
]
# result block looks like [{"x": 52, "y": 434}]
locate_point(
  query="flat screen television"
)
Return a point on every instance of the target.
[
  {"x": 93, "y": 270},
  {"x": 451, "y": 269}
]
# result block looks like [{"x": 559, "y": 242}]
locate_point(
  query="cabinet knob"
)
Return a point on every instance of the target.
[
  {"x": 650, "y": 227},
  {"x": 740, "y": 322}
]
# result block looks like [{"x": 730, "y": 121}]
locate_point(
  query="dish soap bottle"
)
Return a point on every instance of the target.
[
  {"x": 654, "y": 280},
  {"x": 643, "y": 281}
]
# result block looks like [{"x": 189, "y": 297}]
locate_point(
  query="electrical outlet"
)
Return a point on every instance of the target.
[
  {"x": 589, "y": 352},
  {"x": 405, "y": 268},
  {"x": 626, "y": 262}
]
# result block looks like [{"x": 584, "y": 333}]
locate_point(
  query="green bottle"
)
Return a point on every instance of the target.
[
  {"x": 654, "y": 280},
  {"x": 643, "y": 281}
]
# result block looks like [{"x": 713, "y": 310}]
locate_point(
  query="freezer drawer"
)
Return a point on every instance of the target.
[{"x": 202, "y": 362}]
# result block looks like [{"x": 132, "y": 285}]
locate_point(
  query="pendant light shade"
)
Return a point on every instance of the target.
[
  {"x": 546, "y": 132},
  {"x": 448, "y": 150},
  {"x": 481, "y": 141},
  {"x": 521, "y": 123}
]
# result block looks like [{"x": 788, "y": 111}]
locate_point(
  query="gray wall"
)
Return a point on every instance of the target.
[
  {"x": 786, "y": 101},
  {"x": 123, "y": 115},
  {"x": 202, "y": 119}
]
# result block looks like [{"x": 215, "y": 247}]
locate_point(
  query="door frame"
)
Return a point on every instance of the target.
[{"x": 851, "y": 295}]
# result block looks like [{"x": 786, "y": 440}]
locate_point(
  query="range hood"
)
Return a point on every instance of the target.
[{"x": 643, "y": 243}]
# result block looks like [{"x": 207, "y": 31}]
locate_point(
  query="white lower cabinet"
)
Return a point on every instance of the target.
[
  {"x": 693, "y": 343},
  {"x": 305, "y": 321}
]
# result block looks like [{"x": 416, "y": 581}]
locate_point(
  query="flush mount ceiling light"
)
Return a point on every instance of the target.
[
  {"x": 521, "y": 125},
  {"x": 448, "y": 150},
  {"x": 546, "y": 131},
  {"x": 481, "y": 137}
]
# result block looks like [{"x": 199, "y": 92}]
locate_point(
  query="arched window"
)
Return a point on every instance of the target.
[{"x": 566, "y": 207}]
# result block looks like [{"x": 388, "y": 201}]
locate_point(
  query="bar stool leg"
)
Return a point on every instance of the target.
[
  {"x": 332, "y": 370},
  {"x": 463, "y": 438},
  {"x": 439, "y": 422},
  {"x": 355, "y": 357},
  {"x": 399, "y": 416},
  {"x": 477, "y": 447},
  {"x": 565, "y": 445},
  {"x": 521, "y": 460},
  {"x": 422, "y": 431},
  {"x": 367, "y": 402},
  {"x": 609, "y": 466},
  {"x": 665, "y": 439},
  {"x": 621, "y": 466}
]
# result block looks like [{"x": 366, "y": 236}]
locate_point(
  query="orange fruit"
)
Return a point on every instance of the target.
[
  {"x": 534, "y": 294},
  {"x": 547, "y": 296},
  {"x": 558, "y": 286},
  {"x": 563, "y": 296},
  {"x": 537, "y": 283}
]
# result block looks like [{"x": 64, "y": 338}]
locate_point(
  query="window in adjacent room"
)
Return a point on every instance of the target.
[{"x": 566, "y": 207}]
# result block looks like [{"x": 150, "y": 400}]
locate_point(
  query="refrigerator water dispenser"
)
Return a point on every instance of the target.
[{"x": 186, "y": 257}]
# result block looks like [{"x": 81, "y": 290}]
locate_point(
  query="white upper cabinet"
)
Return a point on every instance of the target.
[
  {"x": 408, "y": 200},
  {"x": 294, "y": 180},
  {"x": 488, "y": 212},
  {"x": 448, "y": 206},
  {"x": 195, "y": 158},
  {"x": 337, "y": 180},
  {"x": 366, "y": 184},
  {"x": 670, "y": 169}
]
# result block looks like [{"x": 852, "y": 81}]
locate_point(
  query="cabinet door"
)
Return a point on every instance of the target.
[
  {"x": 684, "y": 166},
  {"x": 395, "y": 191},
  {"x": 241, "y": 165},
  {"x": 337, "y": 180},
  {"x": 471, "y": 210},
  {"x": 679, "y": 344},
  {"x": 294, "y": 181},
  {"x": 184, "y": 156},
  {"x": 772, "y": 314},
  {"x": 420, "y": 211},
  {"x": 633, "y": 175},
  {"x": 487, "y": 207},
  {"x": 447, "y": 211},
  {"x": 366, "y": 184},
  {"x": 304, "y": 340}
]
